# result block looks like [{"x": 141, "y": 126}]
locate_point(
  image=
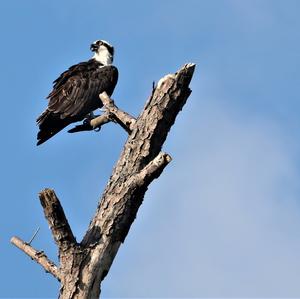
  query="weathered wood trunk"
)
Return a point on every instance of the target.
[{"x": 84, "y": 265}]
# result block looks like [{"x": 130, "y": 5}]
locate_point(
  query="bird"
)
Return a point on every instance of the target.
[{"x": 75, "y": 93}]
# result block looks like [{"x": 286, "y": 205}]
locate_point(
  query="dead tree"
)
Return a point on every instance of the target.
[{"x": 84, "y": 265}]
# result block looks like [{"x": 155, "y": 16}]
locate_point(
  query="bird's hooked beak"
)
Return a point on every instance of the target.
[{"x": 94, "y": 47}]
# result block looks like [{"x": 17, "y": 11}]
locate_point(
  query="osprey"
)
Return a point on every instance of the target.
[{"x": 76, "y": 91}]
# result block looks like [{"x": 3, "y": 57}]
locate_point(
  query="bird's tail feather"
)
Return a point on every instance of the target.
[
  {"x": 49, "y": 124},
  {"x": 45, "y": 135}
]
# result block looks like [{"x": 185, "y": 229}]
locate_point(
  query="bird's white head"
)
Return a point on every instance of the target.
[{"x": 104, "y": 52}]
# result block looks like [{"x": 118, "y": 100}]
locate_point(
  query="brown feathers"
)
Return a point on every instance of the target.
[{"x": 75, "y": 94}]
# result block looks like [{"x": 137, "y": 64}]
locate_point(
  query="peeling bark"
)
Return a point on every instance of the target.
[{"x": 84, "y": 265}]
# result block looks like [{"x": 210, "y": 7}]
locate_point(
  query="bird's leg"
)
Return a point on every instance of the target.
[
  {"x": 86, "y": 124},
  {"x": 90, "y": 116}
]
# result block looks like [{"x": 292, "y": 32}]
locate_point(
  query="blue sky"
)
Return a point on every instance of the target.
[{"x": 223, "y": 219}]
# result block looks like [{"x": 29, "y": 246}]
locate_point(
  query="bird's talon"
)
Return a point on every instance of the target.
[{"x": 87, "y": 122}]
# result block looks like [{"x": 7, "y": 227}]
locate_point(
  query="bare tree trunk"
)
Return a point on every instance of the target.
[{"x": 84, "y": 265}]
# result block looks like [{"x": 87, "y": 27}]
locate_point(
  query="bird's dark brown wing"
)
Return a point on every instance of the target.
[{"x": 75, "y": 93}]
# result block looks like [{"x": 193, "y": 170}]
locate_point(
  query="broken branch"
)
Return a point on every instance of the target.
[
  {"x": 38, "y": 256},
  {"x": 58, "y": 223},
  {"x": 112, "y": 113},
  {"x": 124, "y": 119},
  {"x": 153, "y": 169},
  {"x": 100, "y": 120}
]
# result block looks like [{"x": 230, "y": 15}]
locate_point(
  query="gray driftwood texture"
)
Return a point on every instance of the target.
[{"x": 84, "y": 265}]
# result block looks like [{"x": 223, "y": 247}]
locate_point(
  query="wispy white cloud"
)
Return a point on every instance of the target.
[{"x": 222, "y": 220}]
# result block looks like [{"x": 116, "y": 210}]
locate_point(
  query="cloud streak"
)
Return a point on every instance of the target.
[{"x": 222, "y": 222}]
